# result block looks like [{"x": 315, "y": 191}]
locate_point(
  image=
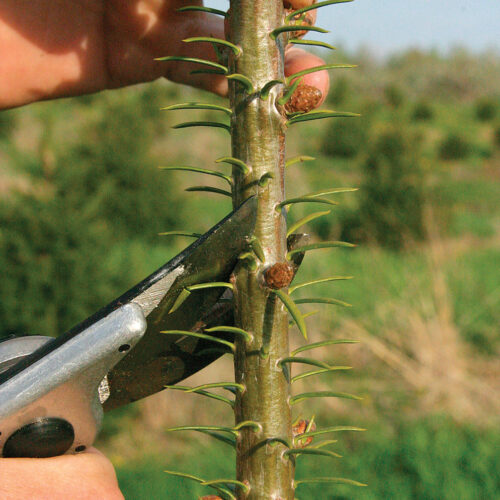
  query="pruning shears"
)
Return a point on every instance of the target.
[{"x": 53, "y": 391}]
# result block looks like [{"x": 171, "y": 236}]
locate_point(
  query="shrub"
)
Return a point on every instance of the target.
[
  {"x": 486, "y": 109},
  {"x": 62, "y": 241},
  {"x": 344, "y": 138},
  {"x": 112, "y": 166},
  {"x": 454, "y": 147},
  {"x": 394, "y": 95},
  {"x": 422, "y": 111},
  {"x": 391, "y": 194},
  {"x": 339, "y": 91},
  {"x": 54, "y": 266}
]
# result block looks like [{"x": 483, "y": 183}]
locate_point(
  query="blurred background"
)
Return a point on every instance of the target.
[{"x": 82, "y": 202}]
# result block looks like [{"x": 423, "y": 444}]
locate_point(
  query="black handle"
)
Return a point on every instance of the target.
[{"x": 43, "y": 438}]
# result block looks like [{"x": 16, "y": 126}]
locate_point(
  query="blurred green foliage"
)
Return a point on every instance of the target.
[
  {"x": 476, "y": 300},
  {"x": 496, "y": 137},
  {"x": 391, "y": 194},
  {"x": 416, "y": 460},
  {"x": 454, "y": 147},
  {"x": 486, "y": 109},
  {"x": 394, "y": 95},
  {"x": 422, "y": 111},
  {"x": 62, "y": 240},
  {"x": 54, "y": 265},
  {"x": 340, "y": 91},
  {"x": 113, "y": 169},
  {"x": 7, "y": 124},
  {"x": 343, "y": 138}
]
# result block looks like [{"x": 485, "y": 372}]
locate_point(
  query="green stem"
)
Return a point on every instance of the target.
[{"x": 257, "y": 134}]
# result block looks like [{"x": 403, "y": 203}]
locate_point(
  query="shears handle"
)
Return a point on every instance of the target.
[{"x": 54, "y": 405}]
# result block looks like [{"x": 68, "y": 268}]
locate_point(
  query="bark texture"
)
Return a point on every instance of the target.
[{"x": 258, "y": 140}]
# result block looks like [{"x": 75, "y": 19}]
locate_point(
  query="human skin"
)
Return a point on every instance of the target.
[
  {"x": 86, "y": 476},
  {"x": 61, "y": 48}
]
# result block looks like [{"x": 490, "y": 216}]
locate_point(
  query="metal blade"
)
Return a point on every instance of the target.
[{"x": 158, "y": 359}]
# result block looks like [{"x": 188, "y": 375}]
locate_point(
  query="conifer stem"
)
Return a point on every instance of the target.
[{"x": 257, "y": 133}]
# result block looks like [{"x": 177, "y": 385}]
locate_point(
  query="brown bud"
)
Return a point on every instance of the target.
[
  {"x": 298, "y": 429},
  {"x": 279, "y": 276},
  {"x": 304, "y": 99},
  {"x": 210, "y": 497}
]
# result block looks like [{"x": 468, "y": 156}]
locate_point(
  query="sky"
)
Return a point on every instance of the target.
[{"x": 388, "y": 26}]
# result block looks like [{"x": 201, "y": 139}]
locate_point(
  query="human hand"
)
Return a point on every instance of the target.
[
  {"x": 86, "y": 476},
  {"x": 60, "y": 48}
]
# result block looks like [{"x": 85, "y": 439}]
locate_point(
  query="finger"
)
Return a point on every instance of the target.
[
  {"x": 310, "y": 16},
  {"x": 298, "y": 4},
  {"x": 80, "y": 477},
  {"x": 93, "y": 451},
  {"x": 298, "y": 60},
  {"x": 191, "y": 24}
]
